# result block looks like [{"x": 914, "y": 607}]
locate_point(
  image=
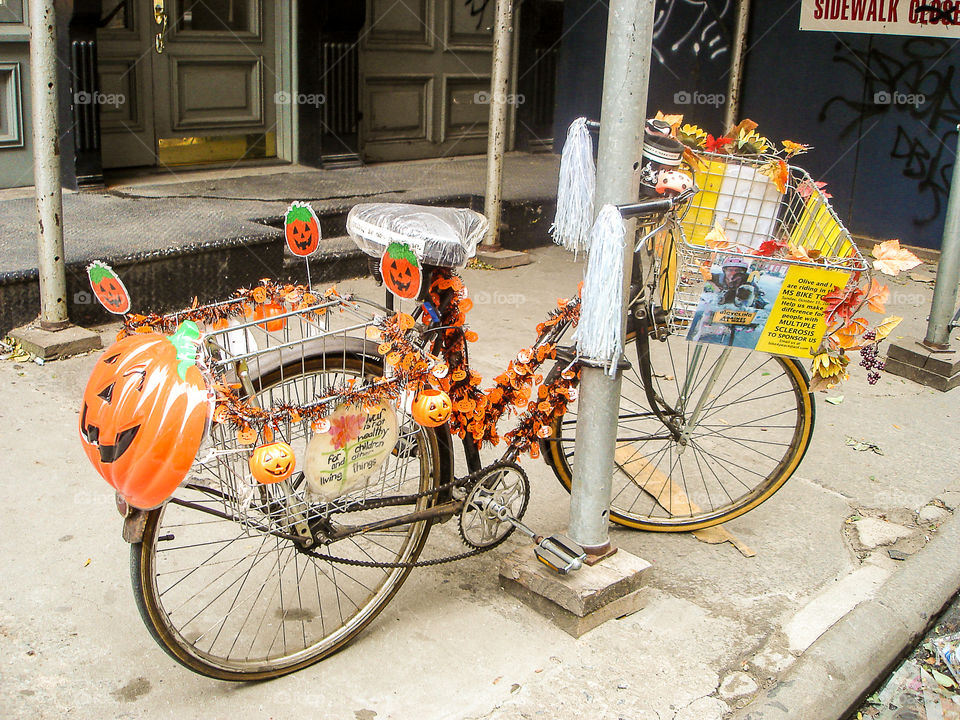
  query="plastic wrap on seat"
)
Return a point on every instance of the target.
[{"x": 446, "y": 237}]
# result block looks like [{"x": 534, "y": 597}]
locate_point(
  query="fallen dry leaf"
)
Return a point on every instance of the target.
[{"x": 892, "y": 259}]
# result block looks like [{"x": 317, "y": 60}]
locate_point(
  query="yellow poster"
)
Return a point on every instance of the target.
[{"x": 796, "y": 324}]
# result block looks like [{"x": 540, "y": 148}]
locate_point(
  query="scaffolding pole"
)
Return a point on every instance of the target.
[
  {"x": 46, "y": 166},
  {"x": 622, "y": 117},
  {"x": 497, "y": 134}
]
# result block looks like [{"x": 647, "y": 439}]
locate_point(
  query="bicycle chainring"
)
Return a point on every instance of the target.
[{"x": 500, "y": 489}]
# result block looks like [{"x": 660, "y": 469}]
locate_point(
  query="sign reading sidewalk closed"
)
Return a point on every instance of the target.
[{"x": 926, "y": 18}]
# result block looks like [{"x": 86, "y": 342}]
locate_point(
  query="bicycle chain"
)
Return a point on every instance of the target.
[{"x": 468, "y": 482}]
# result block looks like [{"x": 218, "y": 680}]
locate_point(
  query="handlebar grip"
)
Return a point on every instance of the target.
[{"x": 646, "y": 207}]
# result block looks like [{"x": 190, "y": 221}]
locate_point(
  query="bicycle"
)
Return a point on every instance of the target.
[{"x": 244, "y": 581}]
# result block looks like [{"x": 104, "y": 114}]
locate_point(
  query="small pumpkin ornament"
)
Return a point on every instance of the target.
[
  {"x": 108, "y": 288},
  {"x": 432, "y": 407},
  {"x": 272, "y": 463},
  {"x": 269, "y": 310},
  {"x": 400, "y": 270},
  {"x": 145, "y": 409},
  {"x": 301, "y": 229}
]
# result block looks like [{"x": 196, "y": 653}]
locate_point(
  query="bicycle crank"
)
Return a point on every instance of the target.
[
  {"x": 500, "y": 492},
  {"x": 489, "y": 516}
]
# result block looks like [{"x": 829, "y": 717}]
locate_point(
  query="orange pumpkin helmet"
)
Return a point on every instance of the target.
[
  {"x": 432, "y": 407},
  {"x": 144, "y": 413},
  {"x": 272, "y": 463}
]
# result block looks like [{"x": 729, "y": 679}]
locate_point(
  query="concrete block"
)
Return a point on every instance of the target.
[
  {"x": 72, "y": 340},
  {"x": 502, "y": 259},
  {"x": 914, "y": 361},
  {"x": 582, "y": 600}
]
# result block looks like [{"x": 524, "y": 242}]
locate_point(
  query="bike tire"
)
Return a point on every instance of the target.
[
  {"x": 658, "y": 486},
  {"x": 313, "y": 607}
]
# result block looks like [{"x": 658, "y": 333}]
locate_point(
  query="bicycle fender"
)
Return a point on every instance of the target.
[{"x": 134, "y": 525}]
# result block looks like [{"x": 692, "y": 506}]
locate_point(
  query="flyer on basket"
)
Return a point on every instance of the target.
[{"x": 764, "y": 305}]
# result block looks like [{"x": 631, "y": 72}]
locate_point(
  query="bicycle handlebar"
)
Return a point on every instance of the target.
[{"x": 654, "y": 206}]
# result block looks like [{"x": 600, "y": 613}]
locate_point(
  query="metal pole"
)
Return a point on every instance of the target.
[
  {"x": 738, "y": 51},
  {"x": 623, "y": 114},
  {"x": 46, "y": 166},
  {"x": 948, "y": 271},
  {"x": 497, "y": 134}
]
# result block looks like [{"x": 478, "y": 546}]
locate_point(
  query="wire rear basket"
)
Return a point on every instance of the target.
[
  {"x": 301, "y": 358},
  {"x": 740, "y": 220}
]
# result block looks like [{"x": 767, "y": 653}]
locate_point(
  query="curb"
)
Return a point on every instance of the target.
[{"x": 831, "y": 678}]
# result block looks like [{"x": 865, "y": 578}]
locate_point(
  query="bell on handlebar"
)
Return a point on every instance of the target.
[{"x": 661, "y": 153}]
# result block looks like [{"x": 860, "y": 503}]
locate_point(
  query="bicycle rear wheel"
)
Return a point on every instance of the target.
[
  {"x": 745, "y": 420},
  {"x": 235, "y": 603}
]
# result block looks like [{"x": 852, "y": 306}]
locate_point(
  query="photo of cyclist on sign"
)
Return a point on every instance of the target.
[{"x": 736, "y": 301}]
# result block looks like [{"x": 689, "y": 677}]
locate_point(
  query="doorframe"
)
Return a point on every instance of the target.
[{"x": 287, "y": 15}]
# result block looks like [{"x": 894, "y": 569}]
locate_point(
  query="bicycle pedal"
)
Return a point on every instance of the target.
[{"x": 560, "y": 554}]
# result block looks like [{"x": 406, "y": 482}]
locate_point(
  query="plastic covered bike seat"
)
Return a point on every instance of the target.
[{"x": 445, "y": 237}]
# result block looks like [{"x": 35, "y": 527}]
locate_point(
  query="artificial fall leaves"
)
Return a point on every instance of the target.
[{"x": 847, "y": 329}]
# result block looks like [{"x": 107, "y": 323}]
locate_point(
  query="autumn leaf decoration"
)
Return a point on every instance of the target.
[{"x": 848, "y": 329}]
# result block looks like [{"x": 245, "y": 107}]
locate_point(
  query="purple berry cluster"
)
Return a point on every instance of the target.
[{"x": 869, "y": 358}]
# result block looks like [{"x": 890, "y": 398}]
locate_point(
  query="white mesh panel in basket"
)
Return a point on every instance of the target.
[{"x": 738, "y": 197}]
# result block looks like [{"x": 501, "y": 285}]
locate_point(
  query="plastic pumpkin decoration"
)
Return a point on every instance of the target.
[
  {"x": 108, "y": 288},
  {"x": 431, "y": 408},
  {"x": 145, "y": 409},
  {"x": 269, "y": 310},
  {"x": 301, "y": 229},
  {"x": 272, "y": 463},
  {"x": 400, "y": 270}
]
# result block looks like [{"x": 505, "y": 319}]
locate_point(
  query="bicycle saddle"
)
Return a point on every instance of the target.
[{"x": 444, "y": 237}]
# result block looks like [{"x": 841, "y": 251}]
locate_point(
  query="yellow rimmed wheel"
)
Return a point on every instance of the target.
[{"x": 730, "y": 428}]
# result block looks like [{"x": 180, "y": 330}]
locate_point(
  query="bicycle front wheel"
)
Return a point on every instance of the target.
[
  {"x": 236, "y": 603},
  {"x": 742, "y": 422}
]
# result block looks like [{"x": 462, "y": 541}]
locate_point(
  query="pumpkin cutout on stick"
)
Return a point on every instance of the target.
[
  {"x": 272, "y": 463},
  {"x": 145, "y": 409},
  {"x": 432, "y": 407},
  {"x": 108, "y": 288},
  {"x": 301, "y": 229},
  {"x": 400, "y": 270}
]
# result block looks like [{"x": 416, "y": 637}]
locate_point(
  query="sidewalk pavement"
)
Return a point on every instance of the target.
[
  {"x": 719, "y": 633},
  {"x": 224, "y": 230}
]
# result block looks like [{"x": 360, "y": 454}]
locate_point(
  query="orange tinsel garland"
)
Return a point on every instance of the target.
[{"x": 476, "y": 412}]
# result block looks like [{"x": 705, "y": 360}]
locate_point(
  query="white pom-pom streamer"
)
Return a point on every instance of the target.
[
  {"x": 599, "y": 333},
  {"x": 578, "y": 182}
]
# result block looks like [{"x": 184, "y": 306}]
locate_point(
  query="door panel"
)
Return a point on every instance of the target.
[
  {"x": 399, "y": 108},
  {"x": 216, "y": 93},
  {"x": 407, "y": 23},
  {"x": 425, "y": 76},
  {"x": 464, "y": 117}
]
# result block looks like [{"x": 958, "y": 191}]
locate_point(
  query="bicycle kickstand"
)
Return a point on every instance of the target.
[{"x": 557, "y": 552}]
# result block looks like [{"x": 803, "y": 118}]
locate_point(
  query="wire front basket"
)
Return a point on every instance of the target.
[
  {"x": 301, "y": 358},
  {"x": 742, "y": 220}
]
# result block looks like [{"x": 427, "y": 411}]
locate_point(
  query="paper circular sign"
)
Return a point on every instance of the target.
[{"x": 352, "y": 449}]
